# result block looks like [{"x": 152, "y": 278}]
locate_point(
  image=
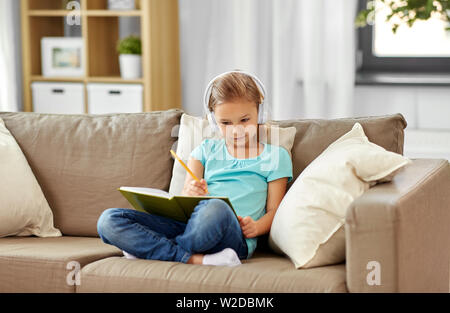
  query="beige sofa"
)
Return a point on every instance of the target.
[{"x": 80, "y": 161}]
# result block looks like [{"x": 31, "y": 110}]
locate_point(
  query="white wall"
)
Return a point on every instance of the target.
[{"x": 426, "y": 110}]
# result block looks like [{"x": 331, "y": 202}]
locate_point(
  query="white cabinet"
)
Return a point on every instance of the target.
[
  {"x": 59, "y": 98},
  {"x": 114, "y": 98}
]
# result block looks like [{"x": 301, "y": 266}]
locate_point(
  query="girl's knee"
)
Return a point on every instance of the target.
[
  {"x": 216, "y": 210},
  {"x": 106, "y": 221}
]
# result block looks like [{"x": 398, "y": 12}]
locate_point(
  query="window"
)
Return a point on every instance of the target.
[{"x": 423, "y": 48}]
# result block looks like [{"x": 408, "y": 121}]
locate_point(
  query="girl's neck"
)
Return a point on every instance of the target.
[{"x": 250, "y": 150}]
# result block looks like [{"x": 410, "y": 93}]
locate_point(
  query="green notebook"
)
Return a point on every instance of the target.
[{"x": 159, "y": 202}]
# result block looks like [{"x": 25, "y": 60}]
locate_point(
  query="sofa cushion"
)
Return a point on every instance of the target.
[
  {"x": 315, "y": 135},
  {"x": 313, "y": 210},
  {"x": 262, "y": 273},
  {"x": 32, "y": 264},
  {"x": 81, "y": 160},
  {"x": 24, "y": 211}
]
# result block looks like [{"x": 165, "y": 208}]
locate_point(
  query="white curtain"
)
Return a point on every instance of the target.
[
  {"x": 8, "y": 56},
  {"x": 302, "y": 50},
  {"x": 328, "y": 57}
]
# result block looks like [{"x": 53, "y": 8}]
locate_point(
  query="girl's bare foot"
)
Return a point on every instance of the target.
[{"x": 195, "y": 259}]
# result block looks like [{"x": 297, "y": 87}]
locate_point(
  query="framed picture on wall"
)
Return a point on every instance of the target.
[
  {"x": 62, "y": 56},
  {"x": 121, "y": 5}
]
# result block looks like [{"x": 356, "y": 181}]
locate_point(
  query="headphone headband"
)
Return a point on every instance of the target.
[
  {"x": 262, "y": 114},
  {"x": 208, "y": 90}
]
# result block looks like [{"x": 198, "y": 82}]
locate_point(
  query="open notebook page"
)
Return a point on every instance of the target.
[{"x": 147, "y": 191}]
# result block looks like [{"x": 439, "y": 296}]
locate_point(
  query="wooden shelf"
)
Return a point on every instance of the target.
[
  {"x": 44, "y": 13},
  {"x": 95, "y": 79},
  {"x": 161, "y": 79},
  {"x": 114, "y": 79},
  {"x": 48, "y": 12},
  {"x": 112, "y": 13},
  {"x": 57, "y": 79}
]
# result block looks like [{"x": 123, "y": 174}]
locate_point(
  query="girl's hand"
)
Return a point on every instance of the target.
[
  {"x": 248, "y": 226},
  {"x": 196, "y": 188}
]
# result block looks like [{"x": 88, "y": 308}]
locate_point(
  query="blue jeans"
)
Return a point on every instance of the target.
[{"x": 211, "y": 228}]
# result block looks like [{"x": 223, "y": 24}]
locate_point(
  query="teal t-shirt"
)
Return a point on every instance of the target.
[{"x": 243, "y": 181}]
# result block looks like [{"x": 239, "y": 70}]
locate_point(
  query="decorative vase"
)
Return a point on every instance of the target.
[{"x": 130, "y": 66}]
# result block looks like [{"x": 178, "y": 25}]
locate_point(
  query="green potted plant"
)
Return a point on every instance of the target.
[
  {"x": 130, "y": 59},
  {"x": 407, "y": 11}
]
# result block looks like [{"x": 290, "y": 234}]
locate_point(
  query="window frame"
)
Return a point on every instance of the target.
[{"x": 369, "y": 63}]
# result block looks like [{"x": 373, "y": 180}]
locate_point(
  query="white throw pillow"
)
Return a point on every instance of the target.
[
  {"x": 193, "y": 130},
  {"x": 24, "y": 211},
  {"x": 312, "y": 213}
]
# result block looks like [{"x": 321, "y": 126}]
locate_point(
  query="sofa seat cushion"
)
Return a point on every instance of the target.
[
  {"x": 264, "y": 272},
  {"x": 33, "y": 264}
]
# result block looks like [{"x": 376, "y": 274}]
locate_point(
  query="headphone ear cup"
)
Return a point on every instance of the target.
[
  {"x": 212, "y": 122},
  {"x": 261, "y": 114},
  {"x": 213, "y": 119}
]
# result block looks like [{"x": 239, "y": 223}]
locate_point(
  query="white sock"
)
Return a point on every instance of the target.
[
  {"x": 128, "y": 256},
  {"x": 226, "y": 257}
]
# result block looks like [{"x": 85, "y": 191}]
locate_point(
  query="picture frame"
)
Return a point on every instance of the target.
[
  {"x": 62, "y": 56},
  {"x": 121, "y": 5}
]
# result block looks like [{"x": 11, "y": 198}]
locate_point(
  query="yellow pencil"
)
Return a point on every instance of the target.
[{"x": 187, "y": 168}]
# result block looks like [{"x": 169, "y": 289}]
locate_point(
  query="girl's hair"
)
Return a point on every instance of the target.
[{"x": 234, "y": 86}]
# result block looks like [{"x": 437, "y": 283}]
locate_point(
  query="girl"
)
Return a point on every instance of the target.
[{"x": 237, "y": 166}]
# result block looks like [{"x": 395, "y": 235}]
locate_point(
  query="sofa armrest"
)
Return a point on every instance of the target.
[{"x": 404, "y": 225}]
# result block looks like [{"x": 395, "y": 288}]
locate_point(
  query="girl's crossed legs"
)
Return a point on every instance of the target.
[{"x": 211, "y": 228}]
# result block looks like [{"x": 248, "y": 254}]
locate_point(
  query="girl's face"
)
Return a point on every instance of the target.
[{"x": 238, "y": 121}]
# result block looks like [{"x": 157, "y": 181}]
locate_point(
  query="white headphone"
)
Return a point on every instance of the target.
[{"x": 263, "y": 114}]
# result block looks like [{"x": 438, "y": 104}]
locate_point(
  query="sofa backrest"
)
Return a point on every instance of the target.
[
  {"x": 313, "y": 136},
  {"x": 81, "y": 160}
]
